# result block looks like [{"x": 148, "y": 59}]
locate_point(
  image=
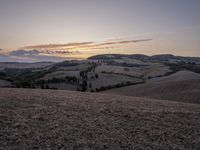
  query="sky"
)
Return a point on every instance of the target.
[{"x": 36, "y": 30}]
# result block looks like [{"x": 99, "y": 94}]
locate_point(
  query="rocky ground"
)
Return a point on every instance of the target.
[{"x": 55, "y": 119}]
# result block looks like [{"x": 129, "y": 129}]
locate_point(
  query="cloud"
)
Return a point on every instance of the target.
[
  {"x": 30, "y": 56},
  {"x": 104, "y": 47},
  {"x": 64, "y": 52},
  {"x": 60, "y": 52},
  {"x": 123, "y": 42},
  {"x": 83, "y": 45},
  {"x": 37, "y": 52},
  {"x": 36, "y": 58},
  {"x": 24, "y": 53},
  {"x": 53, "y": 46}
]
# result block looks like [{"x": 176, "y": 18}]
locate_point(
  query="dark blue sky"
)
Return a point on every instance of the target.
[{"x": 173, "y": 25}]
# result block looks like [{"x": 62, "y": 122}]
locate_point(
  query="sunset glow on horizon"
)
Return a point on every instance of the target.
[{"x": 79, "y": 29}]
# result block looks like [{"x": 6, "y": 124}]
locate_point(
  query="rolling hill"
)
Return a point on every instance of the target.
[
  {"x": 55, "y": 119},
  {"x": 181, "y": 86},
  {"x": 156, "y": 58}
]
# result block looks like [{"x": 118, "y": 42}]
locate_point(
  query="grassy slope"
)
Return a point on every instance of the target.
[
  {"x": 182, "y": 86},
  {"x": 4, "y": 83},
  {"x": 150, "y": 70},
  {"x": 71, "y": 120}
]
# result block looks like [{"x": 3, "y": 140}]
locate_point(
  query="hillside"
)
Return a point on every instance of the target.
[
  {"x": 4, "y": 83},
  {"x": 94, "y": 74},
  {"x": 55, "y": 119},
  {"x": 157, "y": 58},
  {"x": 82, "y": 75},
  {"x": 182, "y": 86}
]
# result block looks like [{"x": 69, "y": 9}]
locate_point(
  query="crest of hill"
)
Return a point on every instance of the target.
[
  {"x": 160, "y": 57},
  {"x": 118, "y": 56}
]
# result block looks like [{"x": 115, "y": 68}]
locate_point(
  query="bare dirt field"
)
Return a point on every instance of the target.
[
  {"x": 182, "y": 86},
  {"x": 56, "y": 119}
]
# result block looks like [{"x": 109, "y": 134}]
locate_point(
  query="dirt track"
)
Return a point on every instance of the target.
[{"x": 43, "y": 119}]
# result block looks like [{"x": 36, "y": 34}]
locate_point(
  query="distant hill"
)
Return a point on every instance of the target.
[
  {"x": 138, "y": 56},
  {"x": 117, "y": 56},
  {"x": 159, "y": 58},
  {"x": 162, "y": 57},
  {"x": 23, "y": 65},
  {"x": 107, "y": 56}
]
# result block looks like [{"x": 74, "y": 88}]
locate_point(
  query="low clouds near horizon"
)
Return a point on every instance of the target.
[
  {"x": 84, "y": 44},
  {"x": 50, "y": 46},
  {"x": 24, "y": 53},
  {"x": 59, "y": 52}
]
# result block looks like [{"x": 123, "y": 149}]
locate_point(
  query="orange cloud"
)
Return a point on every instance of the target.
[
  {"x": 82, "y": 46},
  {"x": 124, "y": 42},
  {"x": 51, "y": 46}
]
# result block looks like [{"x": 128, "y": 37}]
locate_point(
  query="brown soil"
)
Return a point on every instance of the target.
[{"x": 53, "y": 119}]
